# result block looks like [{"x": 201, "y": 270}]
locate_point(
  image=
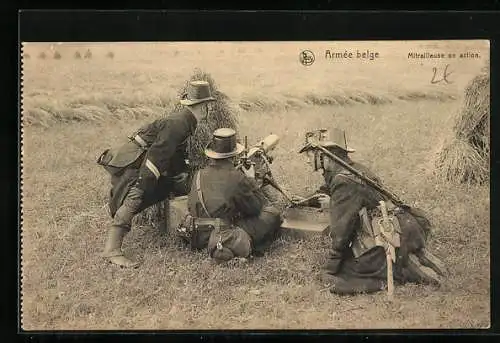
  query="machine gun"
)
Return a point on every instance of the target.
[{"x": 258, "y": 157}]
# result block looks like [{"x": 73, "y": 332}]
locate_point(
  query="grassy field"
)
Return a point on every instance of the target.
[{"x": 394, "y": 117}]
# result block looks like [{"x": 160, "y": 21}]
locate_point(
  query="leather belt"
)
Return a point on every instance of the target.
[{"x": 216, "y": 222}]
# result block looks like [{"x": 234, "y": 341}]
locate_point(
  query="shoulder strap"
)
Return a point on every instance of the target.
[
  {"x": 200, "y": 193},
  {"x": 348, "y": 175}
]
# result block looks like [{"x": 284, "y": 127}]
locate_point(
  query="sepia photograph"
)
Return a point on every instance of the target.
[{"x": 255, "y": 185}]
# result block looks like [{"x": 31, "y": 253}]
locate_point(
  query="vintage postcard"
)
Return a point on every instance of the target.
[{"x": 255, "y": 185}]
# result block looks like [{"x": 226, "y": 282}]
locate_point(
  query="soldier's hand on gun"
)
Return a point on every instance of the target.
[
  {"x": 316, "y": 200},
  {"x": 323, "y": 198},
  {"x": 249, "y": 171},
  {"x": 297, "y": 198},
  {"x": 323, "y": 201}
]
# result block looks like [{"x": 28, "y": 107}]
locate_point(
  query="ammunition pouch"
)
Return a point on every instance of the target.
[
  {"x": 104, "y": 160},
  {"x": 227, "y": 242},
  {"x": 364, "y": 239},
  {"x": 129, "y": 155},
  {"x": 196, "y": 231}
]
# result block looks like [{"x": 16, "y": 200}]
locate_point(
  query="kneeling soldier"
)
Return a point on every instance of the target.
[
  {"x": 229, "y": 203},
  {"x": 150, "y": 166},
  {"x": 358, "y": 261}
]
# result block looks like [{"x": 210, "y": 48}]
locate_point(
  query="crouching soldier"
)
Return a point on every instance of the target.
[
  {"x": 152, "y": 164},
  {"x": 231, "y": 215},
  {"x": 357, "y": 261}
]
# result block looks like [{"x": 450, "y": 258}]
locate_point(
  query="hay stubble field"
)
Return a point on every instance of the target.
[{"x": 395, "y": 118}]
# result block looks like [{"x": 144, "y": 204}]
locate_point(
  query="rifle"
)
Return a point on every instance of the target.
[{"x": 389, "y": 194}]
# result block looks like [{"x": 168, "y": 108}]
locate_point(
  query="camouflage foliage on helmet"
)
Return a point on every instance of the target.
[{"x": 221, "y": 115}]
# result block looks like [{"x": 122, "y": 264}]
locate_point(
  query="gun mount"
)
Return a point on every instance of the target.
[{"x": 258, "y": 157}]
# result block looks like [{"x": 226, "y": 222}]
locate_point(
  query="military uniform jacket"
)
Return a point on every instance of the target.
[
  {"x": 167, "y": 141},
  {"x": 348, "y": 195},
  {"x": 227, "y": 194},
  {"x": 162, "y": 153}
]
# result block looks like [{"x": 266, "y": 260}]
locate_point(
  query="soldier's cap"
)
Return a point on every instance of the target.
[
  {"x": 223, "y": 144},
  {"x": 197, "y": 92},
  {"x": 326, "y": 138}
]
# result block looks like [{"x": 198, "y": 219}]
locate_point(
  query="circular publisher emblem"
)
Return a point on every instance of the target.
[{"x": 306, "y": 57}]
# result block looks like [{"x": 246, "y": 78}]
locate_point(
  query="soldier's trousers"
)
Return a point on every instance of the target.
[
  {"x": 136, "y": 200},
  {"x": 368, "y": 273},
  {"x": 262, "y": 229},
  {"x": 130, "y": 207}
]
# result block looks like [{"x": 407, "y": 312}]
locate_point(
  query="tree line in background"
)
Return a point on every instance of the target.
[{"x": 77, "y": 55}]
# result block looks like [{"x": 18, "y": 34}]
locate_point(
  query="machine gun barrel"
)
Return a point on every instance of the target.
[
  {"x": 266, "y": 145},
  {"x": 260, "y": 152},
  {"x": 263, "y": 147},
  {"x": 394, "y": 198}
]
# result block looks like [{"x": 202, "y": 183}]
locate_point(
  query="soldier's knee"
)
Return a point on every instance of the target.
[
  {"x": 123, "y": 217},
  {"x": 272, "y": 214},
  {"x": 271, "y": 210}
]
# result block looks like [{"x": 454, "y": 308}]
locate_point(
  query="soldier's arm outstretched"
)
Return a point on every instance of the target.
[{"x": 248, "y": 198}]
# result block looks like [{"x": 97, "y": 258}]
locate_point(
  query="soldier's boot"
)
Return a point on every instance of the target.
[
  {"x": 122, "y": 221},
  {"x": 419, "y": 273},
  {"x": 112, "y": 249},
  {"x": 429, "y": 260}
]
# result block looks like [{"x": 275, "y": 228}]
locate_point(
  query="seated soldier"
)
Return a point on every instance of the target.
[
  {"x": 356, "y": 264},
  {"x": 229, "y": 202}
]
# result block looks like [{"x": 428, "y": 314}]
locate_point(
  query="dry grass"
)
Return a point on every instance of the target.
[
  {"x": 133, "y": 86},
  {"x": 474, "y": 117},
  {"x": 460, "y": 162},
  {"x": 66, "y": 285},
  {"x": 466, "y": 158}
]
